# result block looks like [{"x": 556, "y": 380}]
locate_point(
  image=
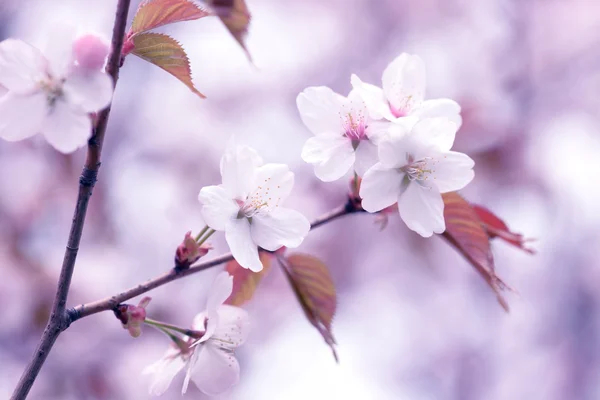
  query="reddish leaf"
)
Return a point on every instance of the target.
[
  {"x": 465, "y": 231},
  {"x": 495, "y": 227},
  {"x": 166, "y": 53},
  {"x": 236, "y": 17},
  {"x": 312, "y": 283},
  {"x": 245, "y": 281},
  {"x": 152, "y": 14}
]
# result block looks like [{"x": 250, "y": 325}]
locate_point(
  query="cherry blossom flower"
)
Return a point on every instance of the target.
[
  {"x": 415, "y": 167},
  {"x": 403, "y": 94},
  {"x": 53, "y": 93},
  {"x": 209, "y": 361},
  {"x": 248, "y": 206},
  {"x": 345, "y": 135}
]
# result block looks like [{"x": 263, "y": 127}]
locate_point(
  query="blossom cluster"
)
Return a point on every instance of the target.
[{"x": 395, "y": 140}]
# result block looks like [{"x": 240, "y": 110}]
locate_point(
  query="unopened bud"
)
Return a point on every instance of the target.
[
  {"x": 188, "y": 252},
  {"x": 132, "y": 317},
  {"x": 90, "y": 51}
]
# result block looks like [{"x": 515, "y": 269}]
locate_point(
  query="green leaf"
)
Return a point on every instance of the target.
[
  {"x": 245, "y": 282},
  {"x": 236, "y": 17},
  {"x": 166, "y": 53},
  {"x": 314, "y": 288},
  {"x": 152, "y": 14},
  {"x": 465, "y": 232}
]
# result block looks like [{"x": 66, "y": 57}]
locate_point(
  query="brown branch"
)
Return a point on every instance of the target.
[
  {"x": 59, "y": 319},
  {"x": 111, "y": 303}
]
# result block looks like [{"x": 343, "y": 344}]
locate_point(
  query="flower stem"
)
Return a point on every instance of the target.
[
  {"x": 202, "y": 232},
  {"x": 161, "y": 325},
  {"x": 205, "y": 238}
]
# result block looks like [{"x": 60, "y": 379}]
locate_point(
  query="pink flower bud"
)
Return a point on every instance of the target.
[
  {"x": 90, "y": 51},
  {"x": 132, "y": 317},
  {"x": 188, "y": 252}
]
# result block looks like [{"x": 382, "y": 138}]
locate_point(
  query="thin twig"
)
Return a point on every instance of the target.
[
  {"x": 112, "y": 302},
  {"x": 59, "y": 319}
]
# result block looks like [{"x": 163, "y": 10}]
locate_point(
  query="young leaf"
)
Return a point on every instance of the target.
[
  {"x": 495, "y": 227},
  {"x": 245, "y": 282},
  {"x": 154, "y": 13},
  {"x": 465, "y": 232},
  {"x": 313, "y": 286},
  {"x": 166, "y": 53},
  {"x": 236, "y": 17}
]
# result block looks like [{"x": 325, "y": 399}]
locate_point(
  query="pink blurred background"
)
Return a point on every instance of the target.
[{"x": 414, "y": 320}]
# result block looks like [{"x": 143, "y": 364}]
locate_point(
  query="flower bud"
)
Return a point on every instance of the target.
[
  {"x": 188, "y": 252},
  {"x": 90, "y": 51},
  {"x": 132, "y": 317}
]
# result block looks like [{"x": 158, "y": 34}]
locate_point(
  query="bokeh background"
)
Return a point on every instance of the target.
[{"x": 414, "y": 320}]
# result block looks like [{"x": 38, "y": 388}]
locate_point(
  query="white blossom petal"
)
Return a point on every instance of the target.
[
  {"x": 452, "y": 171},
  {"x": 66, "y": 127},
  {"x": 280, "y": 227},
  {"x": 243, "y": 248},
  {"x": 21, "y": 66},
  {"x": 422, "y": 209},
  {"x": 238, "y": 166},
  {"x": 332, "y": 156},
  {"x": 59, "y": 49},
  {"x": 275, "y": 179},
  {"x": 90, "y": 90},
  {"x": 373, "y": 97},
  {"x": 404, "y": 82},
  {"x": 365, "y": 156},
  {"x": 380, "y": 188},
  {"x": 319, "y": 109},
  {"x": 439, "y": 108},
  {"x": 233, "y": 328},
  {"x": 215, "y": 370},
  {"x": 394, "y": 149},
  {"x": 217, "y": 206},
  {"x": 164, "y": 370},
  {"x": 438, "y": 133},
  {"x": 219, "y": 292},
  {"x": 21, "y": 116}
]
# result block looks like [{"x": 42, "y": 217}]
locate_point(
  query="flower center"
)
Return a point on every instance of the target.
[
  {"x": 419, "y": 170},
  {"x": 354, "y": 127},
  {"x": 53, "y": 89},
  {"x": 259, "y": 201},
  {"x": 406, "y": 106}
]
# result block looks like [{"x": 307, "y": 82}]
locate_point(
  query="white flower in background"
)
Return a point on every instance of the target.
[
  {"x": 345, "y": 136},
  {"x": 209, "y": 361},
  {"x": 53, "y": 93},
  {"x": 403, "y": 94},
  {"x": 248, "y": 206},
  {"x": 415, "y": 167}
]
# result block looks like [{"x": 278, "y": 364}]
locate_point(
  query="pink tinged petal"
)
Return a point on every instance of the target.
[
  {"x": 21, "y": 66},
  {"x": 243, "y": 248},
  {"x": 90, "y": 51},
  {"x": 233, "y": 327},
  {"x": 404, "y": 83},
  {"x": 215, "y": 370},
  {"x": 366, "y": 157},
  {"x": 373, "y": 97},
  {"x": 380, "y": 188},
  {"x": 280, "y": 227},
  {"x": 59, "y": 49},
  {"x": 67, "y": 128},
  {"x": 90, "y": 90},
  {"x": 319, "y": 109},
  {"x": 21, "y": 116},
  {"x": 164, "y": 370},
  {"x": 422, "y": 209},
  {"x": 438, "y": 133},
  {"x": 332, "y": 156},
  {"x": 452, "y": 171},
  {"x": 439, "y": 108},
  {"x": 217, "y": 206},
  {"x": 238, "y": 166},
  {"x": 274, "y": 182}
]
